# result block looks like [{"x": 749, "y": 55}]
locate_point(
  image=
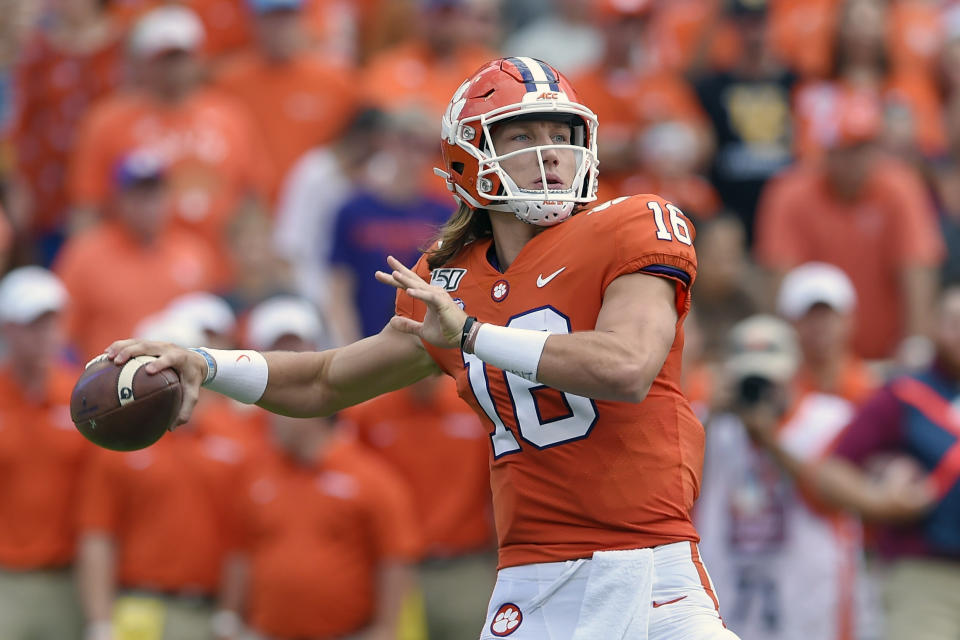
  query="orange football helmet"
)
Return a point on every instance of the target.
[{"x": 502, "y": 90}]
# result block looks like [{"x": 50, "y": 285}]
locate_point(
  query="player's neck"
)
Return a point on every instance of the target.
[{"x": 510, "y": 235}]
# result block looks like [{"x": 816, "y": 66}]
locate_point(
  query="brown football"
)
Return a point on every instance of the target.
[{"x": 123, "y": 407}]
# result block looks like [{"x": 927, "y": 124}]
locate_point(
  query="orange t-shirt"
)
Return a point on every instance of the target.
[
  {"x": 114, "y": 282},
  {"x": 209, "y": 140},
  {"x": 296, "y": 106},
  {"x": 571, "y": 475},
  {"x": 889, "y": 227},
  {"x": 168, "y": 507},
  {"x": 440, "y": 448},
  {"x": 54, "y": 91},
  {"x": 41, "y": 457},
  {"x": 317, "y": 534}
]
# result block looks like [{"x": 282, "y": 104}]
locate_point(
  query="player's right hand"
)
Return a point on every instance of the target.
[
  {"x": 189, "y": 365},
  {"x": 443, "y": 322}
]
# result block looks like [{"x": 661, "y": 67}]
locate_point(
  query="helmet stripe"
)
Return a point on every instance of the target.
[
  {"x": 550, "y": 75},
  {"x": 525, "y": 73},
  {"x": 539, "y": 71}
]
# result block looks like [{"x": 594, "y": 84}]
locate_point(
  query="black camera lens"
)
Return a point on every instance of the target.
[{"x": 754, "y": 389}]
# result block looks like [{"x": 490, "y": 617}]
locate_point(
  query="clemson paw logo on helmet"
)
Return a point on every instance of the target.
[
  {"x": 499, "y": 290},
  {"x": 506, "y": 620}
]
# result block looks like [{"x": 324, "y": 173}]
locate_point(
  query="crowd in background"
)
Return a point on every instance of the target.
[{"x": 232, "y": 172}]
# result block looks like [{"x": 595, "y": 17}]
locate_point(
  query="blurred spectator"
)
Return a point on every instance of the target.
[
  {"x": 312, "y": 194},
  {"x": 819, "y": 300},
  {"x": 6, "y": 240},
  {"x": 861, "y": 66},
  {"x": 432, "y": 439},
  {"x": 259, "y": 271},
  {"x": 630, "y": 91},
  {"x": 947, "y": 71},
  {"x": 67, "y": 64},
  {"x": 667, "y": 156},
  {"x": 727, "y": 287},
  {"x": 328, "y": 529},
  {"x": 217, "y": 168},
  {"x": 566, "y": 33},
  {"x": 298, "y": 98},
  {"x": 894, "y": 464},
  {"x": 157, "y": 534},
  {"x": 790, "y": 568},
  {"x": 387, "y": 215},
  {"x": 40, "y": 460},
  {"x": 749, "y": 108},
  {"x": 225, "y": 22},
  {"x": 870, "y": 216},
  {"x": 131, "y": 264},
  {"x": 802, "y": 34},
  {"x": 945, "y": 183},
  {"x": 427, "y": 69}
]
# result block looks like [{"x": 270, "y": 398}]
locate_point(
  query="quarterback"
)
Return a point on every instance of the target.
[{"x": 562, "y": 323}]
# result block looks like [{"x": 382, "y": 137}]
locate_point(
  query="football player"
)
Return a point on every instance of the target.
[{"x": 562, "y": 325}]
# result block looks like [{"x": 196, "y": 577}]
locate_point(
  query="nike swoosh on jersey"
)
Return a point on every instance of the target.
[
  {"x": 660, "y": 604},
  {"x": 541, "y": 281}
]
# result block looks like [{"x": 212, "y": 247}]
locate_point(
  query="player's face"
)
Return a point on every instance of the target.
[{"x": 560, "y": 165}]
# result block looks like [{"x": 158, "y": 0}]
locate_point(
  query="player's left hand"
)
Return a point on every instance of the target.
[{"x": 443, "y": 323}]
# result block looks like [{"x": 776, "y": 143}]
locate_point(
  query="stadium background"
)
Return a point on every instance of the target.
[{"x": 257, "y": 148}]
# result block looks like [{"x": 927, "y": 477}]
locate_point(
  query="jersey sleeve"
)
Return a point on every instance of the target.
[{"x": 651, "y": 235}]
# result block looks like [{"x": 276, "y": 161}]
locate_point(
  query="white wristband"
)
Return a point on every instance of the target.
[
  {"x": 239, "y": 374},
  {"x": 515, "y": 350}
]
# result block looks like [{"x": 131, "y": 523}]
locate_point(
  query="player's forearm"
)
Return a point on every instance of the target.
[
  {"x": 321, "y": 383},
  {"x": 599, "y": 365}
]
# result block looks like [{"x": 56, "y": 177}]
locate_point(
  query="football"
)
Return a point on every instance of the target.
[{"x": 124, "y": 408}]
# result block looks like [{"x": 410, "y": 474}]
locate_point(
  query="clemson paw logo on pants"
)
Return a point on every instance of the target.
[{"x": 506, "y": 620}]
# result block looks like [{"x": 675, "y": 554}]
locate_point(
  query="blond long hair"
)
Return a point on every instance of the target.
[{"x": 464, "y": 226}]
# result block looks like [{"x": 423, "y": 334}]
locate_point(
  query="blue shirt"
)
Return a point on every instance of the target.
[{"x": 367, "y": 230}]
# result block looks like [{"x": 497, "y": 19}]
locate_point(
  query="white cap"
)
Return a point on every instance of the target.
[
  {"x": 813, "y": 283},
  {"x": 165, "y": 327},
  {"x": 762, "y": 345},
  {"x": 280, "y": 316},
  {"x": 29, "y": 292},
  {"x": 171, "y": 27},
  {"x": 206, "y": 310}
]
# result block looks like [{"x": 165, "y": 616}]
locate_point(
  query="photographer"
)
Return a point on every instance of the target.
[
  {"x": 895, "y": 462},
  {"x": 788, "y": 565}
]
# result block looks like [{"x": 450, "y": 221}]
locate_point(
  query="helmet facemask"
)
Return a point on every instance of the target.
[{"x": 542, "y": 207}]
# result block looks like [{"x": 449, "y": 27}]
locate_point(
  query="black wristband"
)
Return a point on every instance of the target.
[{"x": 466, "y": 329}]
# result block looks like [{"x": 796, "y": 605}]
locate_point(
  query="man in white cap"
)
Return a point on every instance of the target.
[
  {"x": 819, "y": 300},
  {"x": 40, "y": 457},
  {"x": 788, "y": 569}
]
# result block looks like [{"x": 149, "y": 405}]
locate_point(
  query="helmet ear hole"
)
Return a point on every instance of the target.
[{"x": 457, "y": 167}]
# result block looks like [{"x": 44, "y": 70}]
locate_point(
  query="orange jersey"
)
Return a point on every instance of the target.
[
  {"x": 41, "y": 454},
  {"x": 571, "y": 475}
]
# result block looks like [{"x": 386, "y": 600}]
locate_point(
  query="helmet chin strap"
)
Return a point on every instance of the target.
[{"x": 534, "y": 211}]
